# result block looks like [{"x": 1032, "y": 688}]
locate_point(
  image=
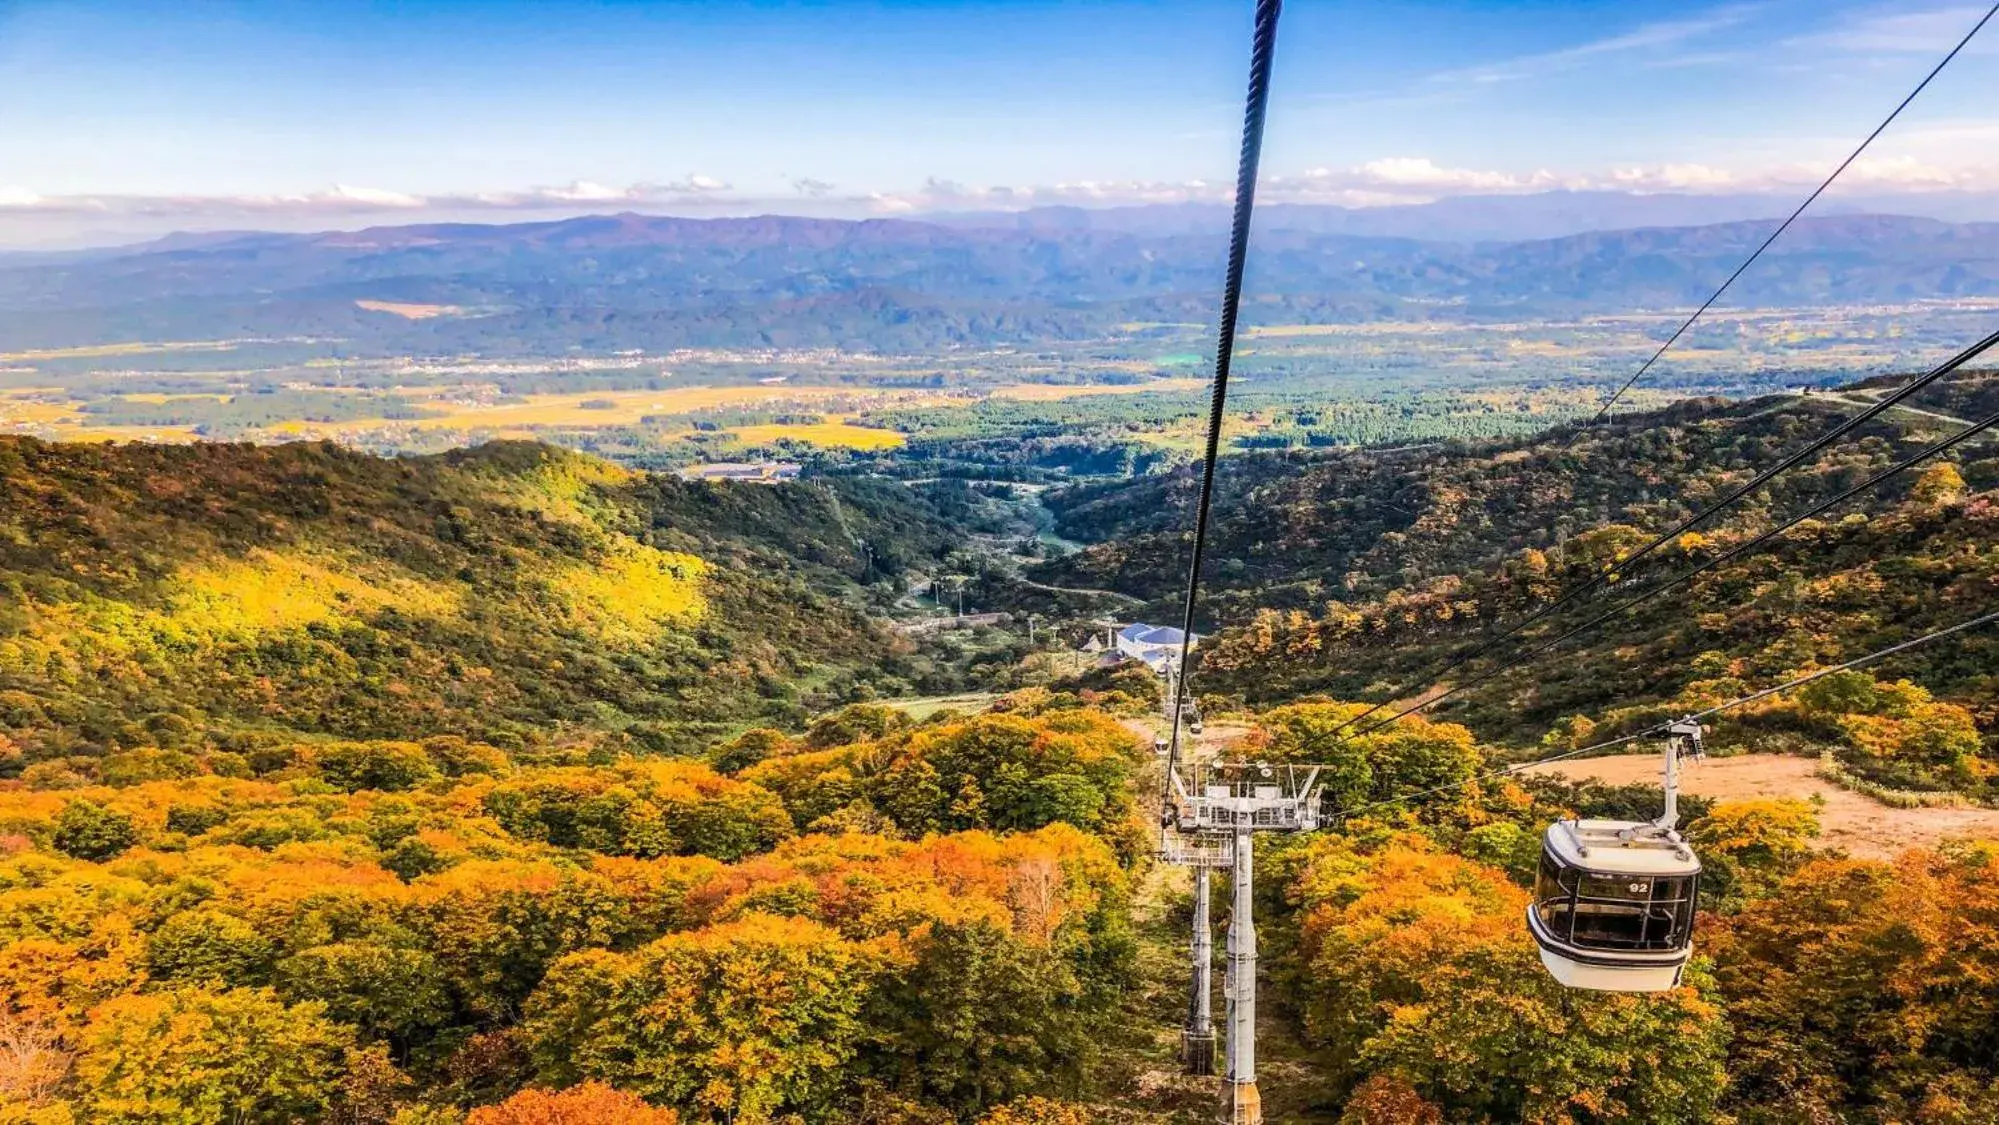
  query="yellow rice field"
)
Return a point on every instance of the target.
[
  {"x": 409, "y": 311},
  {"x": 627, "y": 407},
  {"x": 100, "y": 351},
  {"x": 539, "y": 414},
  {"x": 833, "y": 434}
]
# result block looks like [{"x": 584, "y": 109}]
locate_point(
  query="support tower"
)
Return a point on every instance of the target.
[{"x": 1211, "y": 824}]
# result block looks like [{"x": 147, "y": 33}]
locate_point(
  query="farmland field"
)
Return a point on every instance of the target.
[
  {"x": 829, "y": 434},
  {"x": 611, "y": 408}
]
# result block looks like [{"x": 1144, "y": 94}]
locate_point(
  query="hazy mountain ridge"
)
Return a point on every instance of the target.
[
  {"x": 1484, "y": 218},
  {"x": 638, "y": 281}
]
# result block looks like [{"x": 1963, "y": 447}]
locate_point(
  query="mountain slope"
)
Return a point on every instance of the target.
[
  {"x": 1357, "y": 574},
  {"x": 514, "y": 592}
]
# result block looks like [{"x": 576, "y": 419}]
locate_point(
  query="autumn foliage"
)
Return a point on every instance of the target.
[
  {"x": 591, "y": 1103},
  {"x": 357, "y": 930}
]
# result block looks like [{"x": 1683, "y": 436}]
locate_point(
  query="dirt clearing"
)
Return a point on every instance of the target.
[{"x": 1862, "y": 826}]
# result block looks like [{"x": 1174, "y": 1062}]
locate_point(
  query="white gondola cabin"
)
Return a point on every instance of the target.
[{"x": 1613, "y": 906}]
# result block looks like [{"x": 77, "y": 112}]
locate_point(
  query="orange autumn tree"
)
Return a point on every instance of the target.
[
  {"x": 592, "y": 1103},
  {"x": 1037, "y": 1111},
  {"x": 1748, "y": 847},
  {"x": 1870, "y": 986},
  {"x": 195, "y": 1056},
  {"x": 981, "y": 962},
  {"x": 361, "y": 909}
]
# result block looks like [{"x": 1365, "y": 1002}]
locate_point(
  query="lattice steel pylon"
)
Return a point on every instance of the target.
[{"x": 1212, "y": 823}]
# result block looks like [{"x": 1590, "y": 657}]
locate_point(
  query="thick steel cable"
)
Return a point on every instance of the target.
[
  {"x": 1659, "y": 728},
  {"x": 1262, "y": 49},
  {"x": 1604, "y": 410},
  {"x": 1688, "y": 575},
  {"x": 1789, "y": 462}
]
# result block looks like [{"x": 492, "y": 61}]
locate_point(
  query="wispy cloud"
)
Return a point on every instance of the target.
[
  {"x": 344, "y": 199},
  {"x": 1900, "y": 31},
  {"x": 1654, "y": 39}
]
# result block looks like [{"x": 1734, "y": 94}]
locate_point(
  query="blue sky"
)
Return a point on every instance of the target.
[{"x": 340, "y": 113}]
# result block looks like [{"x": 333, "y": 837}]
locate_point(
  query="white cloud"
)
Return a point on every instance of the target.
[
  {"x": 941, "y": 195},
  {"x": 1422, "y": 172},
  {"x": 366, "y": 197},
  {"x": 1935, "y": 158},
  {"x": 347, "y": 199},
  {"x": 1899, "y": 31},
  {"x": 1675, "y": 177},
  {"x": 584, "y": 191},
  {"x": 20, "y": 200}
]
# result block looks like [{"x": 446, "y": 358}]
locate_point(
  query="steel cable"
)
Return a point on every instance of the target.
[
  {"x": 1263, "y": 49},
  {"x": 1604, "y": 410}
]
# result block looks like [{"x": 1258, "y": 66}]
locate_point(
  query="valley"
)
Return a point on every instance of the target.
[
  {"x": 398, "y": 728},
  {"x": 684, "y": 342},
  {"x": 511, "y": 780}
]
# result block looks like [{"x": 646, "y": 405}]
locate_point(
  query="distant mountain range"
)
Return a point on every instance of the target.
[
  {"x": 623, "y": 281},
  {"x": 1483, "y": 218}
]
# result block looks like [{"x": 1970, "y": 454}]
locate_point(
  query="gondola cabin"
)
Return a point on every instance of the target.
[{"x": 1613, "y": 906}]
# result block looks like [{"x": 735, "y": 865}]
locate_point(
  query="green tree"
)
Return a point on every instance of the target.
[
  {"x": 733, "y": 824},
  {"x": 1362, "y": 764},
  {"x": 381, "y": 989},
  {"x": 390, "y": 766},
  {"x": 209, "y": 946},
  {"x": 981, "y": 1018},
  {"x": 87, "y": 830},
  {"x": 859, "y": 723},
  {"x": 747, "y": 749}
]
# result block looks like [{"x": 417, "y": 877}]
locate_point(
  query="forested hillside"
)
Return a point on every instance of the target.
[
  {"x": 156, "y": 596},
  {"x": 1359, "y": 573}
]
